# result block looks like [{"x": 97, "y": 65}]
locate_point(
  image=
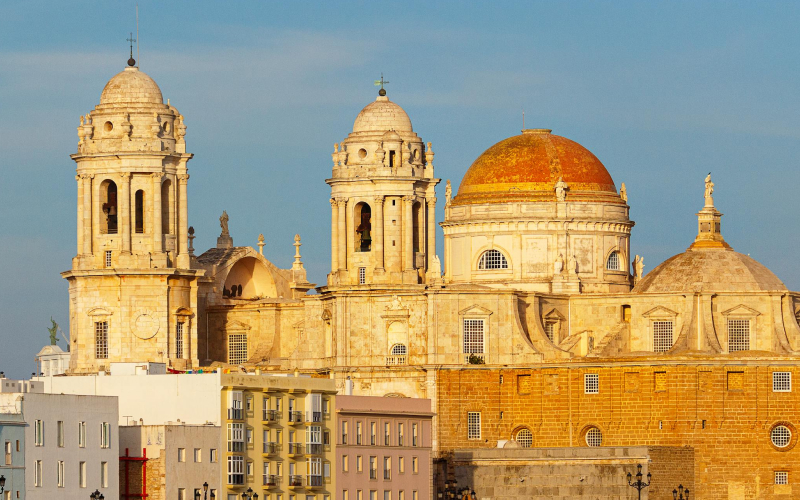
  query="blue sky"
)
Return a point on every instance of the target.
[{"x": 661, "y": 92}]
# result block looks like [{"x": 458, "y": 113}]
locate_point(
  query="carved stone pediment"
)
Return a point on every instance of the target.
[
  {"x": 660, "y": 312},
  {"x": 475, "y": 310},
  {"x": 741, "y": 310}
]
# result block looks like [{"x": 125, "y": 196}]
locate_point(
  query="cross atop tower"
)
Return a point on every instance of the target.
[
  {"x": 131, "y": 61},
  {"x": 381, "y": 82}
]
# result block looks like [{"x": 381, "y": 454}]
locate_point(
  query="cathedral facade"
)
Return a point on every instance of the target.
[{"x": 537, "y": 327}]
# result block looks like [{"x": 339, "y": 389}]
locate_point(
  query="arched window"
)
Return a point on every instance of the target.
[
  {"x": 492, "y": 259},
  {"x": 399, "y": 350},
  {"x": 139, "y": 211},
  {"x": 363, "y": 225},
  {"x": 614, "y": 262},
  {"x": 524, "y": 438},
  {"x": 108, "y": 193},
  {"x": 594, "y": 437},
  {"x": 418, "y": 237},
  {"x": 167, "y": 208}
]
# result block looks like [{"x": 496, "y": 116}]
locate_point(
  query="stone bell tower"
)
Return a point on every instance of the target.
[
  {"x": 133, "y": 296},
  {"x": 383, "y": 201}
]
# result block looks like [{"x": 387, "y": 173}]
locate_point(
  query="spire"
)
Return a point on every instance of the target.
[
  {"x": 381, "y": 82},
  {"x": 131, "y": 61},
  {"x": 709, "y": 235}
]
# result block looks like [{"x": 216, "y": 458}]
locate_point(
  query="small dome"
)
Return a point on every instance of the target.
[
  {"x": 526, "y": 167},
  {"x": 131, "y": 86},
  {"x": 709, "y": 270},
  {"x": 382, "y": 115}
]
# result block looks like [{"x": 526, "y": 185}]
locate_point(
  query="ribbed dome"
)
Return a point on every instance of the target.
[
  {"x": 709, "y": 270},
  {"x": 382, "y": 115},
  {"x": 527, "y": 167},
  {"x": 131, "y": 86}
]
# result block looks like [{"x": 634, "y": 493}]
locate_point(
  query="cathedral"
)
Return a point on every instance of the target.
[{"x": 537, "y": 326}]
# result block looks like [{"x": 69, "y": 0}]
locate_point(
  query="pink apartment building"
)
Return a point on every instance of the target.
[{"x": 383, "y": 448}]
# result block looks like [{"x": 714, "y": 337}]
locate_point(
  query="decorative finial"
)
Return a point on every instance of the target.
[
  {"x": 297, "y": 245},
  {"x": 191, "y": 240},
  {"x": 131, "y": 61},
  {"x": 261, "y": 244},
  {"x": 381, "y": 82},
  {"x": 623, "y": 193}
]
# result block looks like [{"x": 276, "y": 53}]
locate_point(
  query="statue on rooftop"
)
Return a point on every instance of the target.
[
  {"x": 53, "y": 332},
  {"x": 223, "y": 222}
]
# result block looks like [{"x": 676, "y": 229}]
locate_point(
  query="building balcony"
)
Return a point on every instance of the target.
[
  {"x": 270, "y": 416},
  {"x": 475, "y": 359},
  {"x": 314, "y": 449},
  {"x": 313, "y": 481},
  {"x": 395, "y": 360},
  {"x": 297, "y": 449},
  {"x": 296, "y": 417},
  {"x": 271, "y": 448},
  {"x": 271, "y": 480},
  {"x": 314, "y": 416},
  {"x": 235, "y": 414},
  {"x": 295, "y": 481}
]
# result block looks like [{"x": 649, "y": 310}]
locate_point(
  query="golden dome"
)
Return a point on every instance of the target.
[
  {"x": 382, "y": 115},
  {"x": 131, "y": 86},
  {"x": 526, "y": 167}
]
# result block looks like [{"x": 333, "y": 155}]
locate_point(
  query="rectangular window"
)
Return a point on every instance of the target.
[
  {"x": 474, "y": 425},
  {"x": 358, "y": 433},
  {"x": 359, "y": 495},
  {"x": 101, "y": 340},
  {"x": 591, "y": 383},
  {"x": 81, "y": 434},
  {"x": 362, "y": 275},
  {"x": 60, "y": 476},
  {"x": 104, "y": 474},
  {"x": 738, "y": 335},
  {"x": 781, "y": 477},
  {"x": 344, "y": 431},
  {"x": 401, "y": 495},
  {"x": 345, "y": 495},
  {"x": 473, "y": 336},
  {"x": 387, "y": 434},
  {"x": 38, "y": 438},
  {"x": 373, "y": 467},
  {"x": 197, "y": 455},
  {"x": 414, "y": 435},
  {"x": 387, "y": 468},
  {"x": 181, "y": 493},
  {"x": 373, "y": 494},
  {"x": 401, "y": 465},
  {"x": 235, "y": 438},
  {"x": 414, "y": 495},
  {"x": 105, "y": 435},
  {"x": 8, "y": 452},
  {"x": 60, "y": 427},
  {"x": 212, "y": 455},
  {"x": 37, "y": 474},
  {"x": 781, "y": 381},
  {"x": 179, "y": 340},
  {"x": 249, "y": 468},
  {"x": 82, "y": 474},
  {"x": 662, "y": 336},
  {"x": 549, "y": 330},
  {"x": 415, "y": 465},
  {"x": 235, "y": 405},
  {"x": 387, "y": 494},
  {"x": 235, "y": 469},
  {"x": 400, "y": 434},
  {"x": 181, "y": 454},
  {"x": 359, "y": 463},
  {"x": 373, "y": 433},
  {"x": 237, "y": 348},
  {"x": 108, "y": 258},
  {"x": 345, "y": 465}
]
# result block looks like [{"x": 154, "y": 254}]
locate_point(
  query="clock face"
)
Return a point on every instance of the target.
[{"x": 145, "y": 325}]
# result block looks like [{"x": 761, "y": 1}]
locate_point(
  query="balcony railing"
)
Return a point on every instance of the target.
[
  {"x": 344, "y": 438},
  {"x": 271, "y": 480},
  {"x": 271, "y": 448},
  {"x": 295, "y": 481},
  {"x": 373, "y": 473},
  {"x": 314, "y": 448},
  {"x": 313, "y": 481},
  {"x": 235, "y": 414},
  {"x": 387, "y": 475},
  {"x": 296, "y": 417},
  {"x": 474, "y": 359},
  {"x": 395, "y": 360},
  {"x": 297, "y": 449},
  {"x": 271, "y": 416},
  {"x": 315, "y": 416}
]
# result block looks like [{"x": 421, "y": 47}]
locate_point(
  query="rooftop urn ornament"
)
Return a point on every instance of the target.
[
  {"x": 381, "y": 82},
  {"x": 709, "y": 191},
  {"x": 561, "y": 189},
  {"x": 261, "y": 244},
  {"x": 297, "y": 245},
  {"x": 191, "y": 240},
  {"x": 623, "y": 193},
  {"x": 53, "y": 332}
]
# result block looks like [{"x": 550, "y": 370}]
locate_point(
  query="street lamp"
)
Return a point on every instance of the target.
[
  {"x": 639, "y": 484},
  {"x": 678, "y": 494},
  {"x": 247, "y": 495},
  {"x": 2, "y": 483},
  {"x": 97, "y": 495}
]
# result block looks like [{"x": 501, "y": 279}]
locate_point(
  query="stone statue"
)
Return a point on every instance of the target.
[
  {"x": 448, "y": 193},
  {"x": 396, "y": 304},
  {"x": 53, "y": 332},
  {"x": 572, "y": 265},
  {"x": 223, "y": 223},
  {"x": 561, "y": 189},
  {"x": 623, "y": 193},
  {"x": 709, "y": 191},
  {"x": 638, "y": 267},
  {"x": 558, "y": 265},
  {"x": 436, "y": 266}
]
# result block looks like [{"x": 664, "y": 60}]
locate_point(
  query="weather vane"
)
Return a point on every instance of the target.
[
  {"x": 381, "y": 82},
  {"x": 131, "y": 61}
]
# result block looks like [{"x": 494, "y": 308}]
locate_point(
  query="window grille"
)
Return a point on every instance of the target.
[
  {"x": 662, "y": 336},
  {"x": 591, "y": 383},
  {"x": 738, "y": 335},
  {"x": 362, "y": 275},
  {"x": 237, "y": 348},
  {"x": 101, "y": 340},
  {"x": 781, "y": 477},
  {"x": 399, "y": 350},
  {"x": 613, "y": 262},
  {"x": 525, "y": 438},
  {"x": 179, "y": 340},
  {"x": 474, "y": 425},
  {"x": 473, "y": 336},
  {"x": 781, "y": 381},
  {"x": 235, "y": 469},
  {"x": 492, "y": 259},
  {"x": 108, "y": 258},
  {"x": 594, "y": 437},
  {"x": 781, "y": 436},
  {"x": 550, "y": 330}
]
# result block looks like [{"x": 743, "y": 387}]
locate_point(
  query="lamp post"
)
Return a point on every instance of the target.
[
  {"x": 639, "y": 484},
  {"x": 678, "y": 494},
  {"x": 205, "y": 493},
  {"x": 249, "y": 495},
  {"x": 97, "y": 495},
  {"x": 2, "y": 484}
]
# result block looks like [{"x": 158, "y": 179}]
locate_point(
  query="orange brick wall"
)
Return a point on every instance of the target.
[{"x": 733, "y": 451}]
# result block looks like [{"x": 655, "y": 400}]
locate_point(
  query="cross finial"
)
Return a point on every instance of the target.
[
  {"x": 131, "y": 61},
  {"x": 381, "y": 82}
]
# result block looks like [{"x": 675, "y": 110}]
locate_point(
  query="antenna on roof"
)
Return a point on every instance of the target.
[
  {"x": 523, "y": 118},
  {"x": 137, "y": 31},
  {"x": 131, "y": 61}
]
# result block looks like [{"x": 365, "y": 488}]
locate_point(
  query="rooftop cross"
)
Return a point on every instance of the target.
[
  {"x": 381, "y": 82},
  {"x": 131, "y": 61}
]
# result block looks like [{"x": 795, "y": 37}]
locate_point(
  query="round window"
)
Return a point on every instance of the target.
[
  {"x": 108, "y": 127},
  {"x": 781, "y": 436},
  {"x": 525, "y": 438},
  {"x": 594, "y": 437},
  {"x": 362, "y": 153}
]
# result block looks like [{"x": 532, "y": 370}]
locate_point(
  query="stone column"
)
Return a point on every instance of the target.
[
  {"x": 87, "y": 213},
  {"x": 341, "y": 204},
  {"x": 408, "y": 233},
  {"x": 431, "y": 231},
  {"x": 377, "y": 239},
  {"x": 334, "y": 236},
  {"x": 158, "y": 242},
  {"x": 125, "y": 211},
  {"x": 80, "y": 213},
  {"x": 183, "y": 215}
]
